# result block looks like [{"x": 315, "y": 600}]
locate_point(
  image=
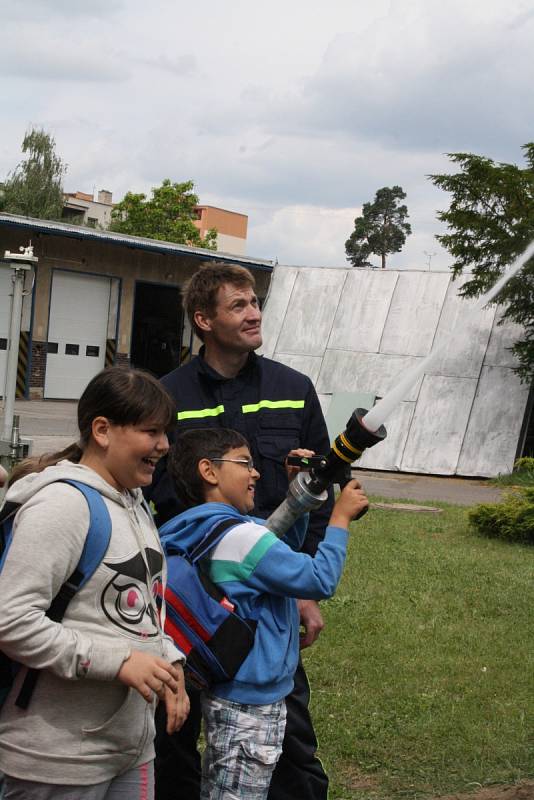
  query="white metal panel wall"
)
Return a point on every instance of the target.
[
  {"x": 308, "y": 365},
  {"x": 414, "y": 313},
  {"x": 365, "y": 328},
  {"x": 311, "y": 312},
  {"x": 275, "y": 309},
  {"x": 439, "y": 425},
  {"x": 501, "y": 339},
  {"x": 466, "y": 357},
  {"x": 79, "y": 309},
  {"x": 388, "y": 454},
  {"x": 375, "y": 373},
  {"x": 494, "y": 428},
  {"x": 362, "y": 310},
  {"x": 6, "y": 292}
]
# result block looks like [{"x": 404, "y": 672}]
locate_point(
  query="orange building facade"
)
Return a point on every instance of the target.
[{"x": 231, "y": 228}]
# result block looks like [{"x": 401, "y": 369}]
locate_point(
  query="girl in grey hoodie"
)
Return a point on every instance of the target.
[{"x": 88, "y": 731}]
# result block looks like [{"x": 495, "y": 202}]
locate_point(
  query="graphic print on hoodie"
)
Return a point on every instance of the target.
[{"x": 124, "y": 598}]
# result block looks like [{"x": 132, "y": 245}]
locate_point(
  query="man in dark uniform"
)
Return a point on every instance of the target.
[{"x": 276, "y": 409}]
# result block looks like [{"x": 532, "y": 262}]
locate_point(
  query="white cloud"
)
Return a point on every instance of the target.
[
  {"x": 293, "y": 113},
  {"x": 305, "y": 235}
]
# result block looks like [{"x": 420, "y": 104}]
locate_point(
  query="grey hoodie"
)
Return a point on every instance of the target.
[{"x": 83, "y": 726}]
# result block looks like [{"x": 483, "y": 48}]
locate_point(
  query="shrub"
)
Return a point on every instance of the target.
[
  {"x": 521, "y": 475},
  {"x": 512, "y": 519},
  {"x": 525, "y": 464}
]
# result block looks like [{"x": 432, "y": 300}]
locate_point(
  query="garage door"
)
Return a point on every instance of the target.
[
  {"x": 6, "y": 292},
  {"x": 77, "y": 332}
]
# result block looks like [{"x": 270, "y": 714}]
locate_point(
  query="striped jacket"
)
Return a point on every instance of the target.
[{"x": 275, "y": 408}]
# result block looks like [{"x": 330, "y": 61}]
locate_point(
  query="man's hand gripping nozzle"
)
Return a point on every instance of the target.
[{"x": 308, "y": 490}]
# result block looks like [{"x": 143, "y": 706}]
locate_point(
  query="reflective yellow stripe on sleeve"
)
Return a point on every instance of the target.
[
  {"x": 253, "y": 407},
  {"x": 200, "y": 413}
]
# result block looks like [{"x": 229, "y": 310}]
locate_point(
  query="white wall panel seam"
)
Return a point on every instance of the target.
[
  {"x": 335, "y": 312},
  {"x": 384, "y": 326},
  {"x": 288, "y": 306}
]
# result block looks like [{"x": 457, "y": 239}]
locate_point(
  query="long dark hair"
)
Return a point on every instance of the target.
[
  {"x": 123, "y": 395},
  {"x": 189, "y": 448}
]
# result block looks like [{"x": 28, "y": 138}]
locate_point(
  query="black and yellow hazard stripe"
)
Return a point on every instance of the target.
[
  {"x": 111, "y": 351},
  {"x": 345, "y": 450},
  {"x": 22, "y": 365}
]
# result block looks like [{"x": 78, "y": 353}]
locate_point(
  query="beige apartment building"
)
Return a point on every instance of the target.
[
  {"x": 231, "y": 228},
  {"x": 82, "y": 209}
]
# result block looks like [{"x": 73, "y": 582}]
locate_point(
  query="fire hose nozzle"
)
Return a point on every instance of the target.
[
  {"x": 299, "y": 501},
  {"x": 347, "y": 447},
  {"x": 309, "y": 489}
]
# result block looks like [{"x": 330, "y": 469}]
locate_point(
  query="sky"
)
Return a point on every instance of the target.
[{"x": 293, "y": 112}]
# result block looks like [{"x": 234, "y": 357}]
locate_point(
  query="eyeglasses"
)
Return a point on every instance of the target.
[{"x": 247, "y": 462}]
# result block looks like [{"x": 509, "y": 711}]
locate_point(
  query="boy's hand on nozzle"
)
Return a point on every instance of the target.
[
  {"x": 301, "y": 453},
  {"x": 350, "y": 504},
  {"x": 148, "y": 674}
]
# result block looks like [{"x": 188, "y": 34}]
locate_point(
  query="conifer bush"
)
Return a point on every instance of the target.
[{"x": 512, "y": 519}]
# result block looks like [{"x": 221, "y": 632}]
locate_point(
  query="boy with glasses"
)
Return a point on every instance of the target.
[{"x": 261, "y": 575}]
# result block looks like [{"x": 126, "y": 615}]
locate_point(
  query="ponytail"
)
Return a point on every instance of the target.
[
  {"x": 124, "y": 396},
  {"x": 38, "y": 463}
]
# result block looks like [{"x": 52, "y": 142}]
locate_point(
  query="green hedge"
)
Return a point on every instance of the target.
[{"x": 512, "y": 519}]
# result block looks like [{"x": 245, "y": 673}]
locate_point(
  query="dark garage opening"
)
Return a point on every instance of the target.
[{"x": 157, "y": 328}]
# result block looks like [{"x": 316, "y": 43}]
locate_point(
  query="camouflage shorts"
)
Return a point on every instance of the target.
[{"x": 243, "y": 744}]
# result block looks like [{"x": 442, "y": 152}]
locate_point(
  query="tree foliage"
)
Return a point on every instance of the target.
[
  {"x": 34, "y": 188},
  {"x": 168, "y": 215},
  {"x": 490, "y": 222},
  {"x": 381, "y": 229}
]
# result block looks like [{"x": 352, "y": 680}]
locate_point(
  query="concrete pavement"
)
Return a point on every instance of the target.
[
  {"x": 52, "y": 425},
  {"x": 428, "y": 488}
]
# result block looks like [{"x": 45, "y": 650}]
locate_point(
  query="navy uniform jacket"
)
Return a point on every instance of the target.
[{"x": 273, "y": 406}]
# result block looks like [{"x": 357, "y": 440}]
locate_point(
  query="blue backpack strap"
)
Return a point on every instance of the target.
[
  {"x": 98, "y": 535},
  {"x": 212, "y": 538},
  {"x": 94, "y": 549},
  {"x": 7, "y": 515}
]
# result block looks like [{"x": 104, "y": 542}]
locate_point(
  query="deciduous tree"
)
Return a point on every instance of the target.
[
  {"x": 34, "y": 188},
  {"x": 167, "y": 215}
]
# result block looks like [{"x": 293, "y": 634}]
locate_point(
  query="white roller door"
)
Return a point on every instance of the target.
[
  {"x": 6, "y": 292},
  {"x": 77, "y": 330}
]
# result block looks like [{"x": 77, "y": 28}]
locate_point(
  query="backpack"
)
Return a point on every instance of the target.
[
  {"x": 96, "y": 544},
  {"x": 200, "y": 618}
]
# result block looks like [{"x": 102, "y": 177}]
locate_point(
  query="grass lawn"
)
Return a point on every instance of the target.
[{"x": 423, "y": 679}]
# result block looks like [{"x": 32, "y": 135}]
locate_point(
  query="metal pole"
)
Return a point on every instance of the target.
[
  {"x": 12, "y": 449},
  {"x": 13, "y": 352}
]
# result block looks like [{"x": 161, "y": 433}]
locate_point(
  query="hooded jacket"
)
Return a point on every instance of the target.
[
  {"x": 262, "y": 576},
  {"x": 82, "y": 726}
]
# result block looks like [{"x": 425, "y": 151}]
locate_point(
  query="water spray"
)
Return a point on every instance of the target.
[
  {"x": 364, "y": 429},
  {"x": 381, "y": 411}
]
